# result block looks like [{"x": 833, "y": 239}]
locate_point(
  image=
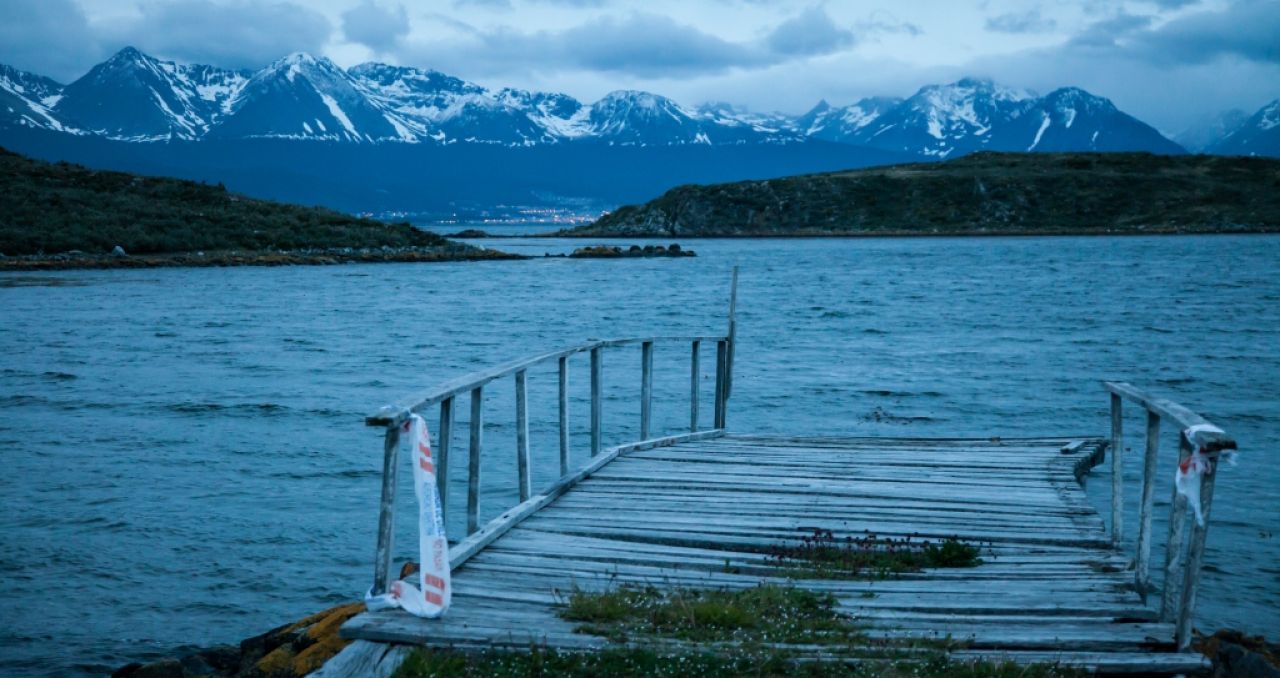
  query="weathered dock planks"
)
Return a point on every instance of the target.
[{"x": 702, "y": 512}]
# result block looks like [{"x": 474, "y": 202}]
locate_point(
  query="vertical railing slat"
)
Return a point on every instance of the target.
[
  {"x": 720, "y": 383},
  {"x": 1117, "y": 470},
  {"x": 1142, "y": 566},
  {"x": 443, "y": 443},
  {"x": 1195, "y": 557},
  {"x": 1174, "y": 553},
  {"x": 693, "y": 386},
  {"x": 646, "y": 388},
  {"x": 596, "y": 375},
  {"x": 564, "y": 415},
  {"x": 522, "y": 436},
  {"x": 386, "y": 514},
  {"x": 473, "y": 467}
]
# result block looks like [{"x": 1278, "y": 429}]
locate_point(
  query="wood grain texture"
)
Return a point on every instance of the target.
[{"x": 701, "y": 511}]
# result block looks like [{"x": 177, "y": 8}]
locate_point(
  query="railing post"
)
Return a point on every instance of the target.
[
  {"x": 646, "y": 388},
  {"x": 1195, "y": 555},
  {"x": 442, "y": 453},
  {"x": 564, "y": 415},
  {"x": 522, "y": 436},
  {"x": 1142, "y": 566},
  {"x": 386, "y": 514},
  {"x": 1117, "y": 470},
  {"x": 596, "y": 370},
  {"x": 1174, "y": 552},
  {"x": 732, "y": 337},
  {"x": 693, "y": 387},
  {"x": 473, "y": 469},
  {"x": 721, "y": 352}
]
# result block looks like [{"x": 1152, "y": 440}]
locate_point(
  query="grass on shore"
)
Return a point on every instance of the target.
[{"x": 637, "y": 662}]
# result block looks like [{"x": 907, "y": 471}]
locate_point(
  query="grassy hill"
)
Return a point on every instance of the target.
[
  {"x": 58, "y": 207},
  {"x": 984, "y": 193}
]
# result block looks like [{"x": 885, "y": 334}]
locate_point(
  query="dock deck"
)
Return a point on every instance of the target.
[{"x": 702, "y": 511}]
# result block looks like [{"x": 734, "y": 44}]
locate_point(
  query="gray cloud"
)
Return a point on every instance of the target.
[
  {"x": 1248, "y": 30},
  {"x": 1108, "y": 33},
  {"x": 1021, "y": 22},
  {"x": 639, "y": 44},
  {"x": 378, "y": 28},
  {"x": 810, "y": 32},
  {"x": 882, "y": 22},
  {"x": 48, "y": 37},
  {"x": 237, "y": 34}
]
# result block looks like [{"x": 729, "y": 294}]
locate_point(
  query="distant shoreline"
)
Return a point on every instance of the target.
[
  {"x": 327, "y": 257},
  {"x": 883, "y": 234}
]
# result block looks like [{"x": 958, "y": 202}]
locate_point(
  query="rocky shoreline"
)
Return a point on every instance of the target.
[
  {"x": 288, "y": 651},
  {"x": 302, "y": 257}
]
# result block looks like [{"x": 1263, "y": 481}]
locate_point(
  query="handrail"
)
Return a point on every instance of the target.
[
  {"x": 391, "y": 417},
  {"x": 1183, "y": 557},
  {"x": 397, "y": 412}
]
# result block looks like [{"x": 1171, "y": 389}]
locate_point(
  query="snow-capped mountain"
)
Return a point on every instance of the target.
[
  {"x": 972, "y": 114},
  {"x": 1071, "y": 119},
  {"x": 1211, "y": 129},
  {"x": 135, "y": 97},
  {"x": 635, "y": 118},
  {"x": 1259, "y": 135},
  {"x": 842, "y": 124},
  {"x": 26, "y": 100},
  {"x": 946, "y": 120},
  {"x": 304, "y": 97}
]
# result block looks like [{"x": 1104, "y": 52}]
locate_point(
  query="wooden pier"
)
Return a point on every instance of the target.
[{"x": 702, "y": 508}]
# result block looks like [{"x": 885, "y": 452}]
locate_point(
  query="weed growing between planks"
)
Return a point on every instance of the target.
[
  {"x": 765, "y": 613},
  {"x": 822, "y": 555},
  {"x": 635, "y": 662}
]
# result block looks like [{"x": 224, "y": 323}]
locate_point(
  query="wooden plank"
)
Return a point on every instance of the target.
[
  {"x": 364, "y": 658},
  {"x": 596, "y": 384},
  {"x": 1117, "y": 470},
  {"x": 396, "y": 413},
  {"x": 646, "y": 388},
  {"x": 444, "y": 441},
  {"x": 386, "y": 510},
  {"x": 473, "y": 467},
  {"x": 523, "y": 486},
  {"x": 694, "y": 375},
  {"x": 1175, "y": 549},
  {"x": 564, "y": 415},
  {"x": 1195, "y": 556},
  {"x": 1142, "y": 559},
  {"x": 462, "y": 551},
  {"x": 1161, "y": 406},
  {"x": 674, "y": 516},
  {"x": 721, "y": 372}
]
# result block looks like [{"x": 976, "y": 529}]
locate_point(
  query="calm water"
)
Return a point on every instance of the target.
[{"x": 186, "y": 465}]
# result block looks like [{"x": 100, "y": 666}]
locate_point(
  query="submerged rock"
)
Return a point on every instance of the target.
[{"x": 610, "y": 252}]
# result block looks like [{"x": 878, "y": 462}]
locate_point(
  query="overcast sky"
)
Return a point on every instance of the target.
[{"x": 1169, "y": 62}]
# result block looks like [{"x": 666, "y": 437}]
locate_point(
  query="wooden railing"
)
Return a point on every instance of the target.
[
  {"x": 1183, "y": 557},
  {"x": 391, "y": 417}
]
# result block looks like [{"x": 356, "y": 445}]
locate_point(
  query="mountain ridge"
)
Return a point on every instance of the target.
[{"x": 137, "y": 98}]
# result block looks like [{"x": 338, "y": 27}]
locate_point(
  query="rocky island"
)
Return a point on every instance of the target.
[{"x": 979, "y": 194}]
